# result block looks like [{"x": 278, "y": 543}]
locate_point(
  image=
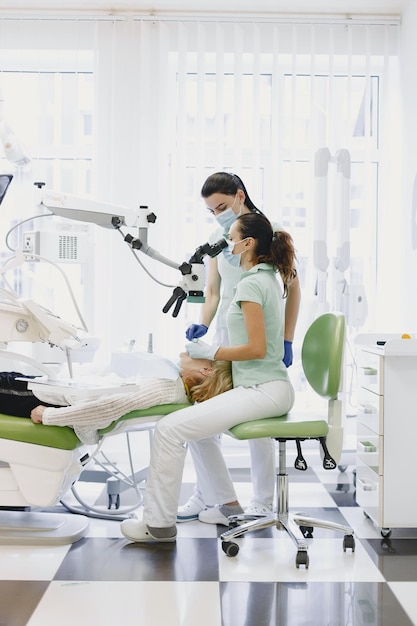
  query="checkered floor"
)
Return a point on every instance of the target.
[{"x": 104, "y": 580}]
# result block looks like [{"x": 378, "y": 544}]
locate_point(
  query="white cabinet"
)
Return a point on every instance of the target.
[{"x": 387, "y": 430}]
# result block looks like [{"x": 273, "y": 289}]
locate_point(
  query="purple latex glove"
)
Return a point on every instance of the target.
[
  {"x": 195, "y": 331},
  {"x": 287, "y": 353}
]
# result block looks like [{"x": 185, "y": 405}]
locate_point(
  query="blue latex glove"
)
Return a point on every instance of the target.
[
  {"x": 194, "y": 331},
  {"x": 198, "y": 349},
  {"x": 287, "y": 353}
]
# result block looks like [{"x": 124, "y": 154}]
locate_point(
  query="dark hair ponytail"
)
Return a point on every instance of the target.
[
  {"x": 284, "y": 257},
  {"x": 275, "y": 248},
  {"x": 229, "y": 184}
]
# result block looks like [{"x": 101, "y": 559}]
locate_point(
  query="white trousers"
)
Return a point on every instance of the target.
[
  {"x": 213, "y": 485},
  {"x": 198, "y": 422}
]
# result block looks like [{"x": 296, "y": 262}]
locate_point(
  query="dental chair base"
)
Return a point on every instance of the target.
[
  {"x": 39, "y": 528},
  {"x": 38, "y": 465},
  {"x": 35, "y": 475}
]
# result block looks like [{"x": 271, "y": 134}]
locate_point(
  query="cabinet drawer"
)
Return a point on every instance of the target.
[
  {"x": 371, "y": 410},
  {"x": 370, "y": 371},
  {"x": 370, "y": 449},
  {"x": 369, "y": 491}
]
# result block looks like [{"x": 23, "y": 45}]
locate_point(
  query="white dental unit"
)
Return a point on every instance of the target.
[{"x": 39, "y": 464}]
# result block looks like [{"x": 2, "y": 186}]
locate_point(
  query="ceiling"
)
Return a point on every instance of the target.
[{"x": 291, "y": 7}]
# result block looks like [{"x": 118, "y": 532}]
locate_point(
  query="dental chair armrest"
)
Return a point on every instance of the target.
[
  {"x": 63, "y": 437},
  {"x": 140, "y": 414},
  {"x": 23, "y": 429}
]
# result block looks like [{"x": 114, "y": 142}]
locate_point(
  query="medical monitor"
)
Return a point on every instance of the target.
[{"x": 5, "y": 180}]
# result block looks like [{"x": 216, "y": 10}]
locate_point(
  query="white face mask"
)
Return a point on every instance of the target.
[
  {"x": 231, "y": 244},
  {"x": 227, "y": 217},
  {"x": 233, "y": 259},
  {"x": 229, "y": 254}
]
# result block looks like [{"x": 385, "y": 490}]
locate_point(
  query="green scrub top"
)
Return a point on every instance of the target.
[
  {"x": 259, "y": 285},
  {"x": 230, "y": 276}
]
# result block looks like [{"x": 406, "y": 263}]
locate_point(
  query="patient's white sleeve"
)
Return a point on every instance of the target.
[{"x": 87, "y": 416}]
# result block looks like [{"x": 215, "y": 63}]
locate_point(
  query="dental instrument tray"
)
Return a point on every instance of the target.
[{"x": 78, "y": 388}]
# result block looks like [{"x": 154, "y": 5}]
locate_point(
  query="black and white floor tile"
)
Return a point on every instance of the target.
[{"x": 103, "y": 579}]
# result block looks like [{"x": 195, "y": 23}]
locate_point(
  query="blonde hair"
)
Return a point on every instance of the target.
[{"x": 219, "y": 381}]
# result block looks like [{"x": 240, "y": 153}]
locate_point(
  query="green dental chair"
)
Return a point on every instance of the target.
[
  {"x": 322, "y": 361},
  {"x": 39, "y": 464}
]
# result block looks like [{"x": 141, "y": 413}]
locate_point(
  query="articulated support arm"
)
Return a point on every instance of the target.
[{"x": 191, "y": 286}]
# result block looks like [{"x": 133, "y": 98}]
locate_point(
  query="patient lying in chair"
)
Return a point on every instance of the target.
[{"x": 194, "y": 380}]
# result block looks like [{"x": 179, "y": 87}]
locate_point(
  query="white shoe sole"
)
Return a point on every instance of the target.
[
  {"x": 190, "y": 511},
  {"x": 188, "y": 518},
  {"x": 143, "y": 535}
]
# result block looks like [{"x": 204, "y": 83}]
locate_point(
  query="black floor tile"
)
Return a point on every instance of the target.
[
  {"x": 187, "y": 559},
  {"x": 310, "y": 604},
  {"x": 395, "y": 558},
  {"x": 18, "y": 600}
]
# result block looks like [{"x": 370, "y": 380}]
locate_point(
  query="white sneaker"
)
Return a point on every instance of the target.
[
  {"x": 137, "y": 531},
  {"x": 190, "y": 510},
  {"x": 258, "y": 508},
  {"x": 215, "y": 515}
]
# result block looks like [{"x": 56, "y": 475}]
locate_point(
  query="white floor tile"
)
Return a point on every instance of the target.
[
  {"x": 129, "y": 603},
  {"x": 104, "y": 528},
  {"x": 406, "y": 592},
  {"x": 361, "y": 524},
  {"x": 309, "y": 495},
  {"x": 274, "y": 559},
  {"x": 30, "y": 562}
]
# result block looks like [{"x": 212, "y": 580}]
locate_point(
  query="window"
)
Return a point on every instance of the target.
[
  {"x": 137, "y": 111},
  {"x": 270, "y": 135}
]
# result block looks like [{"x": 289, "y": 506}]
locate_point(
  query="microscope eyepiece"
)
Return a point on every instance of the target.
[
  {"x": 217, "y": 247},
  {"x": 211, "y": 250}
]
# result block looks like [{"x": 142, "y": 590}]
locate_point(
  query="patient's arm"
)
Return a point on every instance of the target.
[
  {"x": 36, "y": 414},
  {"x": 100, "y": 412}
]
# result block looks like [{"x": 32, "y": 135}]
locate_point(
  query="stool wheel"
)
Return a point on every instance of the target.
[
  {"x": 230, "y": 548},
  {"x": 349, "y": 542},
  {"x": 302, "y": 559}
]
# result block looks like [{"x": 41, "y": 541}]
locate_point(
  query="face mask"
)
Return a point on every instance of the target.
[
  {"x": 231, "y": 244},
  {"x": 233, "y": 259},
  {"x": 227, "y": 217}
]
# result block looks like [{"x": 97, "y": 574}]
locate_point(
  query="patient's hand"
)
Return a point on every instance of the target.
[{"x": 36, "y": 414}]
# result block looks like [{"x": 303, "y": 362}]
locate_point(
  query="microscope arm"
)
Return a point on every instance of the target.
[{"x": 192, "y": 284}]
